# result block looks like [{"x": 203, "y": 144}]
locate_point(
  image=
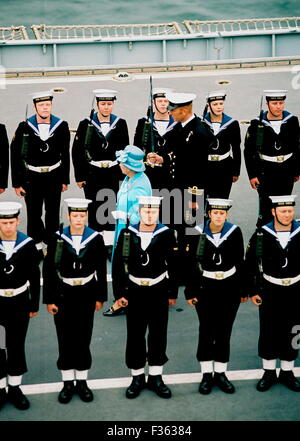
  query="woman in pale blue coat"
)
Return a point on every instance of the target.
[{"x": 135, "y": 184}]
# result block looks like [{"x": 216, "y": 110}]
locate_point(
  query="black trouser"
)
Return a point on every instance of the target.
[
  {"x": 43, "y": 189},
  {"x": 279, "y": 313},
  {"x": 14, "y": 317},
  {"x": 219, "y": 179},
  {"x": 101, "y": 187},
  {"x": 271, "y": 185},
  {"x": 74, "y": 326},
  {"x": 216, "y": 308},
  {"x": 147, "y": 309}
]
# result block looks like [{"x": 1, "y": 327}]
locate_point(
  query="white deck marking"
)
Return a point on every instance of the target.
[{"x": 114, "y": 383}]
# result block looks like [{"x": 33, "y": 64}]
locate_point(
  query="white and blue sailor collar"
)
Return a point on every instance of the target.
[
  {"x": 88, "y": 235},
  {"x": 285, "y": 117},
  {"x": 226, "y": 121},
  {"x": 21, "y": 240},
  {"x": 170, "y": 126},
  {"x": 270, "y": 228},
  {"x": 54, "y": 123},
  {"x": 96, "y": 123},
  {"x": 160, "y": 228},
  {"x": 227, "y": 230}
]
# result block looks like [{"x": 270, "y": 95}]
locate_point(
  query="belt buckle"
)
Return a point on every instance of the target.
[
  {"x": 77, "y": 282},
  {"x": 44, "y": 169},
  {"x": 105, "y": 164},
  {"x": 280, "y": 158},
  {"x": 286, "y": 282},
  {"x": 214, "y": 157},
  {"x": 145, "y": 283},
  {"x": 219, "y": 276},
  {"x": 8, "y": 292}
]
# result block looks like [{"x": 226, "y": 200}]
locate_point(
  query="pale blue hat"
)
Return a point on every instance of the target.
[{"x": 132, "y": 158}]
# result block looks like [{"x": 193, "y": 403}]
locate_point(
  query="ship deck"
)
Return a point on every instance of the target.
[{"x": 109, "y": 376}]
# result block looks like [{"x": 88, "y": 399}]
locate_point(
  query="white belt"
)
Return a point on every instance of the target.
[
  {"x": 218, "y": 157},
  {"x": 219, "y": 275},
  {"x": 44, "y": 169},
  {"x": 282, "y": 282},
  {"x": 78, "y": 281},
  {"x": 104, "y": 164},
  {"x": 11, "y": 292},
  {"x": 280, "y": 158},
  {"x": 147, "y": 282}
]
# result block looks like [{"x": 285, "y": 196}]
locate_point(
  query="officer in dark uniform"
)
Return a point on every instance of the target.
[
  {"x": 19, "y": 301},
  {"x": 188, "y": 158},
  {"x": 214, "y": 284},
  {"x": 94, "y": 160},
  {"x": 271, "y": 152},
  {"x": 4, "y": 158},
  {"x": 273, "y": 280},
  {"x": 40, "y": 164},
  {"x": 224, "y": 154},
  {"x": 144, "y": 279},
  {"x": 74, "y": 288},
  {"x": 154, "y": 143}
]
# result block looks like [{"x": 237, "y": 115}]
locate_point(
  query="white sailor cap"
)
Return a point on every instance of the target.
[
  {"x": 282, "y": 201},
  {"x": 160, "y": 92},
  {"x": 105, "y": 94},
  {"x": 77, "y": 204},
  {"x": 9, "y": 210},
  {"x": 179, "y": 99},
  {"x": 45, "y": 95},
  {"x": 219, "y": 204},
  {"x": 149, "y": 201},
  {"x": 216, "y": 95},
  {"x": 275, "y": 95}
]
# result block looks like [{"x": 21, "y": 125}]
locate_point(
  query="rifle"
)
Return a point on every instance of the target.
[
  {"x": 125, "y": 256},
  {"x": 59, "y": 246},
  {"x": 259, "y": 255},
  {"x": 259, "y": 143},
  {"x": 204, "y": 111},
  {"x": 25, "y": 145},
  {"x": 201, "y": 247},
  {"x": 88, "y": 136},
  {"x": 148, "y": 125},
  {"x": 260, "y": 127}
]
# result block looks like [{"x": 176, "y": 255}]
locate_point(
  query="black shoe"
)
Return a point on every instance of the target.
[
  {"x": 268, "y": 379},
  {"x": 3, "y": 397},
  {"x": 114, "y": 313},
  {"x": 206, "y": 384},
  {"x": 289, "y": 380},
  {"x": 223, "y": 383},
  {"x": 137, "y": 385},
  {"x": 17, "y": 398},
  {"x": 155, "y": 383},
  {"x": 67, "y": 392},
  {"x": 84, "y": 392}
]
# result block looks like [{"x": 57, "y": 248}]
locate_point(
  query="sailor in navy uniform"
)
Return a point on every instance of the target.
[
  {"x": 271, "y": 152},
  {"x": 94, "y": 160},
  {"x": 4, "y": 158},
  {"x": 224, "y": 154},
  {"x": 74, "y": 288},
  {"x": 19, "y": 301},
  {"x": 156, "y": 168},
  {"x": 273, "y": 281},
  {"x": 145, "y": 281},
  {"x": 40, "y": 164},
  {"x": 214, "y": 284}
]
